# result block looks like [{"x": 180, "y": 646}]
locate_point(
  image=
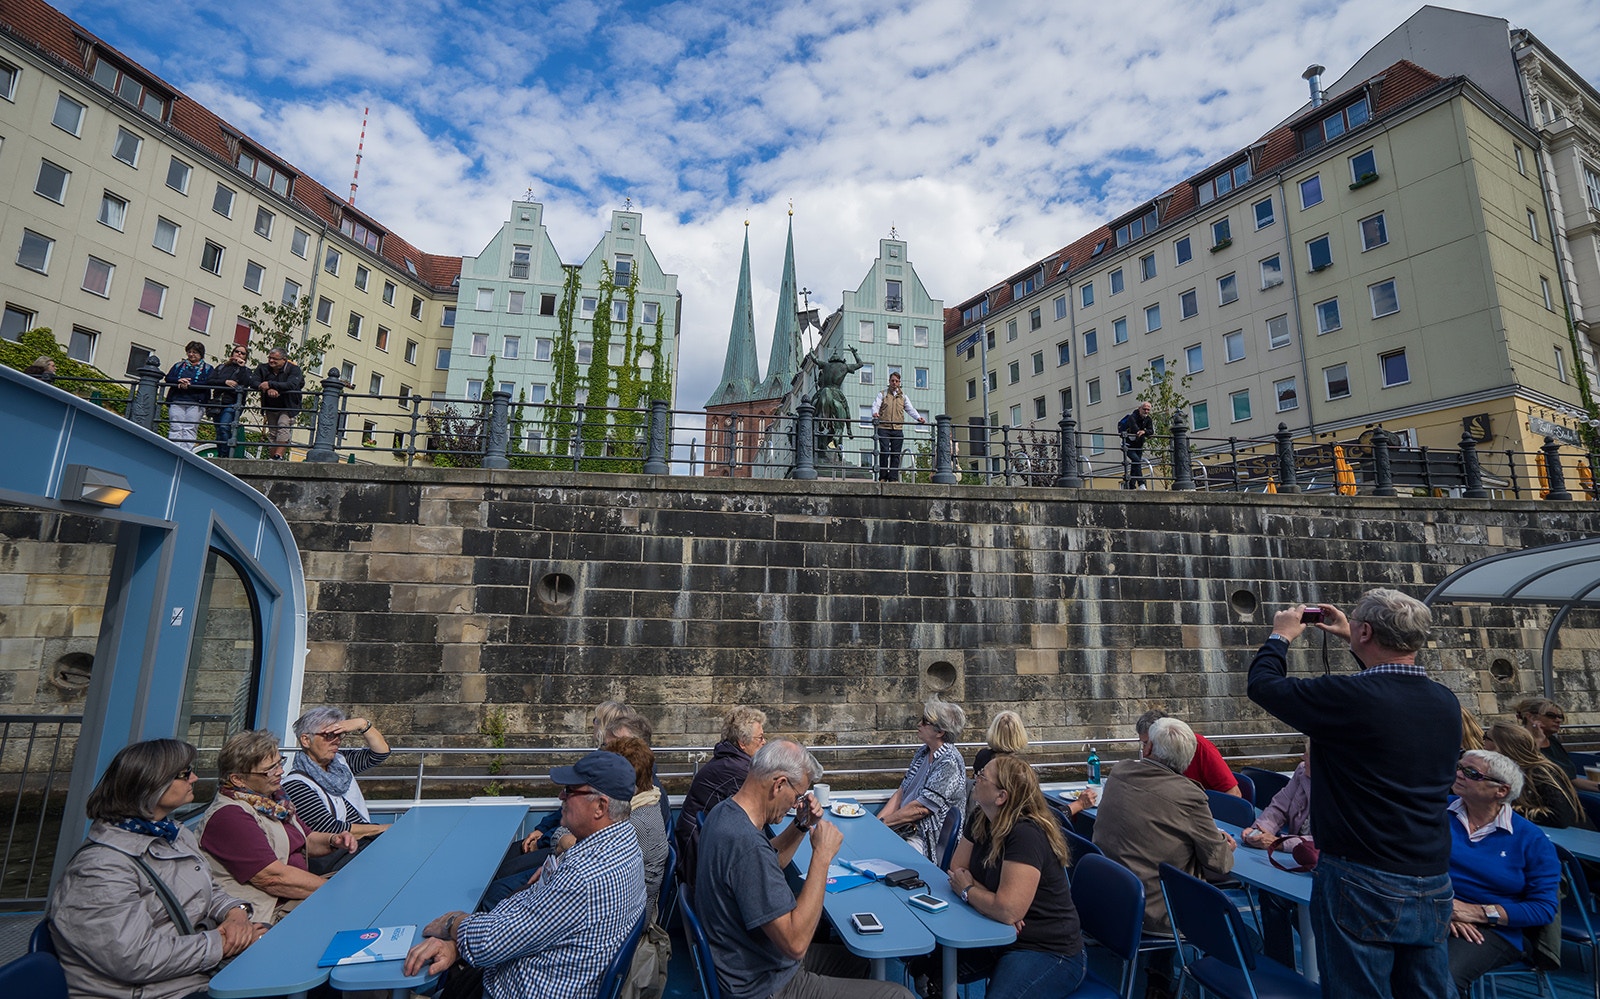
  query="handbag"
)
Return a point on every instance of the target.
[{"x": 1301, "y": 848}]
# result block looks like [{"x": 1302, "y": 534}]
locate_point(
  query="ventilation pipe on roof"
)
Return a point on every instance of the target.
[{"x": 1313, "y": 76}]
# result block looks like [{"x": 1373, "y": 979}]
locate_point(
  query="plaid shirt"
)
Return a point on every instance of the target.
[{"x": 555, "y": 939}]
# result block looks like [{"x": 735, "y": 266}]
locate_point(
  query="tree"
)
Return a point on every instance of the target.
[
  {"x": 277, "y": 325},
  {"x": 1164, "y": 393}
]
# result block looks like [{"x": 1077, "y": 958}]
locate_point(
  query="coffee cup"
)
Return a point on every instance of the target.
[{"x": 821, "y": 791}]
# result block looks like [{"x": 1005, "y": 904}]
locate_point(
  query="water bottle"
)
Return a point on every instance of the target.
[{"x": 1094, "y": 767}]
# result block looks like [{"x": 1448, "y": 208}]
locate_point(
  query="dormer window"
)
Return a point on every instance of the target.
[
  {"x": 975, "y": 311},
  {"x": 264, "y": 172},
  {"x": 1026, "y": 286},
  {"x": 1099, "y": 248},
  {"x": 1219, "y": 184},
  {"x": 1135, "y": 229},
  {"x": 1348, "y": 117},
  {"x": 360, "y": 231},
  {"x": 131, "y": 88}
]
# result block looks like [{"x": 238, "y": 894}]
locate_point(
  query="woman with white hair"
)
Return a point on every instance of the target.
[
  {"x": 1502, "y": 866},
  {"x": 322, "y": 780},
  {"x": 935, "y": 782}
]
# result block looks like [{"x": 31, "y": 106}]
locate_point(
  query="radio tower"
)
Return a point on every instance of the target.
[{"x": 356, "y": 177}]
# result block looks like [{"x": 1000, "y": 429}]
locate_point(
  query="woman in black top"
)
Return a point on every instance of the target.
[
  {"x": 1548, "y": 797},
  {"x": 1543, "y": 719},
  {"x": 1011, "y": 866}
]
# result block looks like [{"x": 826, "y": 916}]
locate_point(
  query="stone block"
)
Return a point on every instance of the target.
[
  {"x": 461, "y": 659},
  {"x": 435, "y": 540},
  {"x": 420, "y": 568},
  {"x": 472, "y": 689},
  {"x": 67, "y": 590},
  {"x": 1038, "y": 662},
  {"x": 326, "y": 657},
  {"x": 471, "y": 628},
  {"x": 86, "y": 621},
  {"x": 1149, "y": 661},
  {"x": 425, "y": 598}
]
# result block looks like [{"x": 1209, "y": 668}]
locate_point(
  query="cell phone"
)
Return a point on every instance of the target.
[
  {"x": 802, "y": 812},
  {"x": 1311, "y": 615},
  {"x": 866, "y": 922},
  {"x": 930, "y": 902}
]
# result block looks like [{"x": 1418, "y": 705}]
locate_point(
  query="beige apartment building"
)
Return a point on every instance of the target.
[{"x": 135, "y": 220}]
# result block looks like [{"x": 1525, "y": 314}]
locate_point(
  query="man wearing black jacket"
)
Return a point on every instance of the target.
[
  {"x": 281, "y": 383},
  {"x": 1385, "y": 741},
  {"x": 233, "y": 379},
  {"x": 1136, "y": 429},
  {"x": 743, "y": 732}
]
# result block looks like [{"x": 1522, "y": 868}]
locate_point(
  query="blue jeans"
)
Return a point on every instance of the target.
[
  {"x": 1035, "y": 975},
  {"x": 226, "y": 420},
  {"x": 1378, "y": 934}
]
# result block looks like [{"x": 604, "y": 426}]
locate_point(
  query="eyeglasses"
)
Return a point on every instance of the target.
[
  {"x": 273, "y": 772},
  {"x": 187, "y": 773},
  {"x": 980, "y": 775},
  {"x": 1553, "y": 716},
  {"x": 330, "y": 736},
  {"x": 1476, "y": 775},
  {"x": 929, "y": 722},
  {"x": 568, "y": 792}
]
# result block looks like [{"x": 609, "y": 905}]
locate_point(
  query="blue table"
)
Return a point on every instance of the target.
[
  {"x": 434, "y": 859},
  {"x": 1581, "y": 843},
  {"x": 902, "y": 936},
  {"x": 1252, "y": 867}
]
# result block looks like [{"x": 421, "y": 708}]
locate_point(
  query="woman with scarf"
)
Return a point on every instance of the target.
[
  {"x": 188, "y": 395},
  {"x": 258, "y": 849},
  {"x": 322, "y": 779},
  {"x": 114, "y": 932},
  {"x": 935, "y": 782}
]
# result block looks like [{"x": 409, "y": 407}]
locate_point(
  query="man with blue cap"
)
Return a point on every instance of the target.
[{"x": 556, "y": 937}]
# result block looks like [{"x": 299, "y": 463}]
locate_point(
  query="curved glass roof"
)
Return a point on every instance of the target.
[{"x": 1566, "y": 574}]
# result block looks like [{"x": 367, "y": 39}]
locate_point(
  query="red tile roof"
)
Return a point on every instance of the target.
[{"x": 52, "y": 33}]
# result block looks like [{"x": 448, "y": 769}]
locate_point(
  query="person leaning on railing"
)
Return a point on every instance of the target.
[{"x": 136, "y": 911}]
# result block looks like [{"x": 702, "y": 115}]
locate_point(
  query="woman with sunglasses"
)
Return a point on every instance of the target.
[
  {"x": 935, "y": 782},
  {"x": 1503, "y": 867},
  {"x": 112, "y": 931},
  {"x": 1543, "y": 719},
  {"x": 259, "y": 850},
  {"x": 322, "y": 779}
]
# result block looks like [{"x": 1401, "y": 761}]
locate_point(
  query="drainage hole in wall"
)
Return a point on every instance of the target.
[{"x": 555, "y": 591}]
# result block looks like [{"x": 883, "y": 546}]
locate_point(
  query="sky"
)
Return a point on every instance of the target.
[{"x": 988, "y": 135}]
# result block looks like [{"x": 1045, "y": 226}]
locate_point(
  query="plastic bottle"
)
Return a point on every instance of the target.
[{"x": 1094, "y": 767}]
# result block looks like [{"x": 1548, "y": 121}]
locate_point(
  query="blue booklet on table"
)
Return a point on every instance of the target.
[
  {"x": 843, "y": 879},
  {"x": 377, "y": 943}
]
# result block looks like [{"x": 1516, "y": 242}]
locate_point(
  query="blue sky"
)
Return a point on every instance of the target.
[{"x": 988, "y": 134}]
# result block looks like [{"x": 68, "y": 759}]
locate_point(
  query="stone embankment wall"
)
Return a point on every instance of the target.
[{"x": 440, "y": 596}]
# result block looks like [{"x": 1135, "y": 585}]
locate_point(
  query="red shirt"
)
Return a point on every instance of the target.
[
  {"x": 233, "y": 837},
  {"x": 1208, "y": 768}
]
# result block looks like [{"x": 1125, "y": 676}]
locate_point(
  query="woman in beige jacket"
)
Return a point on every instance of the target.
[{"x": 136, "y": 912}]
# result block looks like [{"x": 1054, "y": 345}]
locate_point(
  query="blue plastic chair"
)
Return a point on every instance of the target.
[
  {"x": 1591, "y": 806},
  {"x": 1080, "y": 848},
  {"x": 1267, "y": 783},
  {"x": 667, "y": 901},
  {"x": 699, "y": 951},
  {"x": 1247, "y": 787},
  {"x": 1227, "y": 808},
  {"x": 37, "y": 976},
  {"x": 1110, "y": 903},
  {"x": 1209, "y": 921},
  {"x": 1577, "y": 923},
  {"x": 952, "y": 836},
  {"x": 622, "y": 962},
  {"x": 41, "y": 942}
]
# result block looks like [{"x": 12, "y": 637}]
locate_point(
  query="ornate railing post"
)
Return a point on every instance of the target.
[
  {"x": 1069, "y": 474},
  {"x": 577, "y": 437},
  {"x": 805, "y": 445},
  {"x": 146, "y": 402},
  {"x": 494, "y": 442},
  {"x": 1382, "y": 470},
  {"x": 655, "y": 462},
  {"x": 1288, "y": 475},
  {"x": 944, "y": 472},
  {"x": 1182, "y": 474},
  {"x": 1472, "y": 467},
  {"x": 1553, "y": 470},
  {"x": 327, "y": 428}
]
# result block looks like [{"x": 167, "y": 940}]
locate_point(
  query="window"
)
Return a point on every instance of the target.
[
  {"x": 585, "y": 353},
  {"x": 1215, "y": 187},
  {"x": 542, "y": 348},
  {"x": 178, "y": 175},
  {"x": 1147, "y": 267},
  {"x": 864, "y": 331},
  {"x": 9, "y": 75},
  {"x": 919, "y": 336},
  {"x": 1091, "y": 342},
  {"x": 1124, "y": 381},
  {"x": 1591, "y": 183},
  {"x": 1221, "y": 232},
  {"x": 538, "y": 393},
  {"x": 253, "y": 275},
  {"x": 919, "y": 378},
  {"x": 1188, "y": 304},
  {"x": 1194, "y": 357},
  {"x": 1182, "y": 252},
  {"x": 1374, "y": 232},
  {"x": 34, "y": 253},
  {"x": 325, "y": 311},
  {"x": 650, "y": 314},
  {"x": 1394, "y": 368},
  {"x": 1063, "y": 353},
  {"x": 1092, "y": 389},
  {"x": 1119, "y": 330},
  {"x": 365, "y": 235},
  {"x": 1200, "y": 416},
  {"x": 375, "y": 386},
  {"x": 405, "y": 396},
  {"x": 113, "y": 210},
  {"x": 81, "y": 346},
  {"x": 1014, "y": 372},
  {"x": 52, "y": 182},
  {"x": 1533, "y": 225},
  {"x": 211, "y": 258},
  {"x": 353, "y": 327},
  {"x": 263, "y": 224},
  {"x": 975, "y": 311},
  {"x": 97, "y": 277},
  {"x": 1066, "y": 401},
  {"x": 1264, "y": 215},
  {"x": 485, "y": 300},
  {"x": 1035, "y": 320},
  {"x": 1152, "y": 318},
  {"x": 1522, "y": 166},
  {"x": 331, "y": 261},
  {"x": 166, "y": 238},
  {"x": 126, "y": 147},
  {"x": 866, "y": 374},
  {"x": 1135, "y": 229},
  {"x": 1233, "y": 346},
  {"x": 619, "y": 310},
  {"x": 972, "y": 388},
  {"x": 480, "y": 345},
  {"x": 441, "y": 359},
  {"x": 1544, "y": 290},
  {"x": 1327, "y": 316},
  {"x": 994, "y": 381},
  {"x": 622, "y": 274},
  {"x": 1086, "y": 294},
  {"x": 1277, "y": 332},
  {"x": 1271, "y": 272},
  {"x": 1116, "y": 281},
  {"x": 892, "y": 300},
  {"x": 1241, "y": 405},
  {"x": 1284, "y": 391},
  {"x": 1039, "y": 408},
  {"x": 363, "y": 276},
  {"x": 1311, "y": 191},
  {"x": 1561, "y": 366},
  {"x": 1337, "y": 378},
  {"x": 137, "y": 355},
  {"x": 416, "y": 307},
  {"x": 1061, "y": 307},
  {"x": 1227, "y": 289},
  {"x": 1363, "y": 167},
  {"x": 521, "y": 258},
  {"x": 222, "y": 201},
  {"x": 300, "y": 243},
  {"x": 411, "y": 352},
  {"x": 516, "y": 302},
  {"x": 154, "y": 297},
  {"x": 474, "y": 388},
  {"x": 1157, "y": 366},
  {"x": 200, "y": 317},
  {"x": 1011, "y": 330},
  {"x": 388, "y": 293},
  {"x": 129, "y": 88},
  {"x": 382, "y": 342},
  {"x": 1336, "y": 124},
  {"x": 1385, "y": 301},
  {"x": 1016, "y": 416},
  {"x": 291, "y": 291},
  {"x": 448, "y": 318},
  {"x": 1025, "y": 287},
  {"x": 15, "y": 321},
  {"x": 68, "y": 115},
  {"x": 1319, "y": 253}
]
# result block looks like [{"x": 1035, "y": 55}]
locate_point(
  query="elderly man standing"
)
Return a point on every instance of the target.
[
  {"x": 555, "y": 938},
  {"x": 760, "y": 931},
  {"x": 744, "y": 732},
  {"x": 889, "y": 412},
  {"x": 1385, "y": 741}
]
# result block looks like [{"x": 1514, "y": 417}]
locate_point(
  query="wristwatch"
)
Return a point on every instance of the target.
[
  {"x": 964, "y": 892},
  {"x": 1492, "y": 915}
]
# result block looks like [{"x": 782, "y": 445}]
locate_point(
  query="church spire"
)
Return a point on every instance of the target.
[
  {"x": 739, "y": 371},
  {"x": 783, "y": 363}
]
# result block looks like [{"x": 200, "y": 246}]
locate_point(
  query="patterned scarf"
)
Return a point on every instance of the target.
[
  {"x": 272, "y": 808},
  {"x": 335, "y": 780},
  {"x": 164, "y": 829}
]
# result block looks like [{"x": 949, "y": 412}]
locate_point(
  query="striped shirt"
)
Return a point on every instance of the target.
[
  {"x": 555, "y": 939},
  {"x": 318, "y": 809}
]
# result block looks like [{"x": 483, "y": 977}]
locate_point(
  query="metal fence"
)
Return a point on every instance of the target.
[{"x": 35, "y": 767}]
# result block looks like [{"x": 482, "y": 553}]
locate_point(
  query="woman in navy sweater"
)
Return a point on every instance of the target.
[{"x": 1503, "y": 867}]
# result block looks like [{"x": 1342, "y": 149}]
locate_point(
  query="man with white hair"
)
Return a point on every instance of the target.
[{"x": 1385, "y": 741}]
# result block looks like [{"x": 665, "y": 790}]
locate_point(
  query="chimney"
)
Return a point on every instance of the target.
[{"x": 1313, "y": 76}]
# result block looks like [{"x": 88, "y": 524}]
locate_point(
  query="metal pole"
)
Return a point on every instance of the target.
[
  {"x": 660, "y": 429},
  {"x": 1288, "y": 479},
  {"x": 1068, "y": 475},
  {"x": 1382, "y": 470},
  {"x": 494, "y": 449},
  {"x": 805, "y": 444},
  {"x": 1552, "y": 468},
  {"x": 1472, "y": 467},
  {"x": 1182, "y": 474},
  {"x": 144, "y": 405},
  {"x": 327, "y": 418},
  {"x": 943, "y": 468}
]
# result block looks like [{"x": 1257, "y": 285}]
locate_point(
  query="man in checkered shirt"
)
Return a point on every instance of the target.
[{"x": 555, "y": 938}]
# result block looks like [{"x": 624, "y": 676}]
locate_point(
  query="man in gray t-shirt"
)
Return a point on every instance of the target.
[{"x": 759, "y": 930}]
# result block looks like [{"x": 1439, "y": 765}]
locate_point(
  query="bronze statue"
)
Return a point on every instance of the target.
[{"x": 832, "y": 408}]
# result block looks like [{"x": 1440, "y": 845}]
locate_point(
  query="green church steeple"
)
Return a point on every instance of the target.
[
  {"x": 783, "y": 362},
  {"x": 739, "y": 371}
]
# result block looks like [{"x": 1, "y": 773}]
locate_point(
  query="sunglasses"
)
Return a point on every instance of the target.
[
  {"x": 187, "y": 773},
  {"x": 330, "y": 736},
  {"x": 1553, "y": 716},
  {"x": 1475, "y": 775},
  {"x": 929, "y": 722},
  {"x": 569, "y": 792},
  {"x": 271, "y": 772}
]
